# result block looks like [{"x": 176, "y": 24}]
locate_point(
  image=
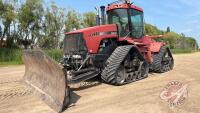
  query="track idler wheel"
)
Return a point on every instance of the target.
[
  {"x": 143, "y": 70},
  {"x": 121, "y": 75},
  {"x": 163, "y": 61}
]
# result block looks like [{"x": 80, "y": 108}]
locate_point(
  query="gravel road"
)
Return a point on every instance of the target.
[{"x": 138, "y": 97}]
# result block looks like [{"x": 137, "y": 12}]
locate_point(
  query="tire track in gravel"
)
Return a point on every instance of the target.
[{"x": 12, "y": 90}]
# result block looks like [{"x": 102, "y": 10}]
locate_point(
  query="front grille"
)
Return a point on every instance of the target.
[{"x": 74, "y": 44}]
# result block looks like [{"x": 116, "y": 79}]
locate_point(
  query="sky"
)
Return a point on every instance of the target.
[{"x": 182, "y": 16}]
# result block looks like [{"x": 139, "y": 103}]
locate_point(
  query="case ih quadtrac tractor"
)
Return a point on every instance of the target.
[{"x": 118, "y": 51}]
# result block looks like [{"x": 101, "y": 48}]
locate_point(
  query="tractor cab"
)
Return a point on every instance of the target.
[{"x": 128, "y": 17}]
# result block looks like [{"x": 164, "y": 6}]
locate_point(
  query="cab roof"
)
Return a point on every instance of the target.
[{"x": 123, "y": 6}]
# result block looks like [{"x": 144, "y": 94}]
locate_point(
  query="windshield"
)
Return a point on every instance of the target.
[{"x": 119, "y": 17}]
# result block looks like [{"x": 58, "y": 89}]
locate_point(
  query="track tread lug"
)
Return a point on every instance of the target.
[{"x": 114, "y": 61}]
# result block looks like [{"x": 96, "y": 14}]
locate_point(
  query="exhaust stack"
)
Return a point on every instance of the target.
[
  {"x": 103, "y": 21},
  {"x": 97, "y": 16}
]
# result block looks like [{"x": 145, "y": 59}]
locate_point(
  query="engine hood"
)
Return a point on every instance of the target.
[
  {"x": 94, "y": 35},
  {"x": 110, "y": 27}
]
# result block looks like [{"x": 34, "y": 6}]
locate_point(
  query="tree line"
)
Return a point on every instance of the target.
[
  {"x": 172, "y": 39},
  {"x": 31, "y": 22}
]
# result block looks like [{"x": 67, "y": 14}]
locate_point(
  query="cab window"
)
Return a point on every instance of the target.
[
  {"x": 119, "y": 17},
  {"x": 137, "y": 24}
]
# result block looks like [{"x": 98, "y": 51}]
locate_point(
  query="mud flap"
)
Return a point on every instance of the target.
[{"x": 46, "y": 79}]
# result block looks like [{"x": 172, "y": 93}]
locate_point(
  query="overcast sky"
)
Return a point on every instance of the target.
[{"x": 183, "y": 16}]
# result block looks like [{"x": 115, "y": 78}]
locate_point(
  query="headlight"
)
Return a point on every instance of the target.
[{"x": 76, "y": 56}]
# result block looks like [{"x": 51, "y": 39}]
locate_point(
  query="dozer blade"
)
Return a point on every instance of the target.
[{"x": 46, "y": 79}]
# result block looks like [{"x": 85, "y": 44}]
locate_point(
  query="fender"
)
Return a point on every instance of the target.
[
  {"x": 155, "y": 46},
  {"x": 135, "y": 49}
]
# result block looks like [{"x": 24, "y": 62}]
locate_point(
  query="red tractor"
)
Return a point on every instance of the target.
[{"x": 117, "y": 50}]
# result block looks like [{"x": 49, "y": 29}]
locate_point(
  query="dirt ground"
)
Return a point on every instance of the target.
[{"x": 138, "y": 97}]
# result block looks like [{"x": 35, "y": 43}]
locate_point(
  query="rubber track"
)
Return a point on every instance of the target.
[
  {"x": 113, "y": 63},
  {"x": 157, "y": 67}
]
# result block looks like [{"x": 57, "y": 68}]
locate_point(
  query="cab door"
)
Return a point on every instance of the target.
[{"x": 137, "y": 24}]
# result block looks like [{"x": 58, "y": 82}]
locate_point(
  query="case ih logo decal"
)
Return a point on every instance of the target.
[{"x": 175, "y": 93}]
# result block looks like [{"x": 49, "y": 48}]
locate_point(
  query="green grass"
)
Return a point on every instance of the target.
[
  {"x": 14, "y": 56},
  {"x": 55, "y": 54},
  {"x": 181, "y": 51},
  {"x": 10, "y": 56}
]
